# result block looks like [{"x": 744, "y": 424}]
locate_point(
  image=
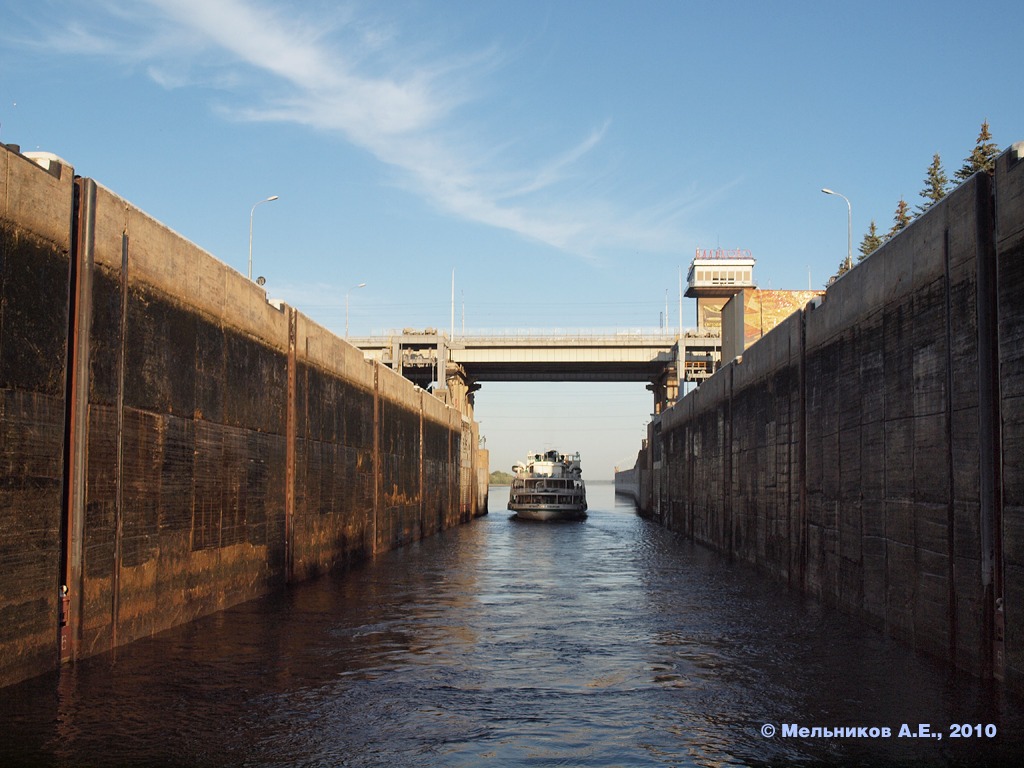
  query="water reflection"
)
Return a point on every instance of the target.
[{"x": 606, "y": 642}]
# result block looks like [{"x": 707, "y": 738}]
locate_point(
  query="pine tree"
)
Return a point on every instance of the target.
[
  {"x": 843, "y": 269},
  {"x": 983, "y": 158},
  {"x": 871, "y": 242},
  {"x": 900, "y": 219},
  {"x": 936, "y": 184}
]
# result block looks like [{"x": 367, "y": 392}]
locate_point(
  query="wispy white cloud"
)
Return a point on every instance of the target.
[{"x": 345, "y": 74}]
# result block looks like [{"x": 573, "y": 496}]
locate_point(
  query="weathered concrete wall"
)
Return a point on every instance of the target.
[
  {"x": 180, "y": 509},
  {"x": 35, "y": 243},
  {"x": 202, "y": 445},
  {"x": 627, "y": 482},
  {"x": 867, "y": 450},
  {"x": 1009, "y": 355}
]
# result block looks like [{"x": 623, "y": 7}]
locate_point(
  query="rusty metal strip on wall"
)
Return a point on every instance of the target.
[
  {"x": 376, "y": 455},
  {"x": 115, "y": 591},
  {"x": 291, "y": 414},
  {"x": 76, "y": 424}
]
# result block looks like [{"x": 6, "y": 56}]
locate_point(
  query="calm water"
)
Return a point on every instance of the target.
[{"x": 603, "y": 643}]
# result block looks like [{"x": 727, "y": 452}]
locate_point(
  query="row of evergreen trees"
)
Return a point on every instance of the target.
[{"x": 936, "y": 186}]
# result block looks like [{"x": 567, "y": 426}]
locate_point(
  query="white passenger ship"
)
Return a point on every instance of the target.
[{"x": 548, "y": 486}]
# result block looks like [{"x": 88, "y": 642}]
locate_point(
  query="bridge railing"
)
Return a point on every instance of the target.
[{"x": 658, "y": 335}]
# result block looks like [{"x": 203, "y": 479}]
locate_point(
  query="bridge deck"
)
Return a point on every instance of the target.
[{"x": 579, "y": 356}]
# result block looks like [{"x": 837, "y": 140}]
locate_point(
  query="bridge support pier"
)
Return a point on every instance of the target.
[
  {"x": 461, "y": 389},
  {"x": 665, "y": 388}
]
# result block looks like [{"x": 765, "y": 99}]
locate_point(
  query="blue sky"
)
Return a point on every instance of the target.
[{"x": 564, "y": 158}]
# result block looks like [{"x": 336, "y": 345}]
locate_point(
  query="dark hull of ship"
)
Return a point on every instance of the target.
[{"x": 537, "y": 506}]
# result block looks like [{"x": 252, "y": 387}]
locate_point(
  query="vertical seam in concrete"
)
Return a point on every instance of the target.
[
  {"x": 860, "y": 485},
  {"x": 999, "y": 618},
  {"x": 789, "y": 466},
  {"x": 452, "y": 477},
  {"x": 422, "y": 469},
  {"x": 989, "y": 448},
  {"x": 728, "y": 469},
  {"x": 885, "y": 487},
  {"x": 802, "y": 455},
  {"x": 951, "y": 604},
  {"x": 291, "y": 437},
  {"x": 691, "y": 466},
  {"x": 376, "y": 455},
  {"x": 115, "y": 576}
]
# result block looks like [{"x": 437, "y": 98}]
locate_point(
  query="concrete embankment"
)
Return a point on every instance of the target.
[
  {"x": 171, "y": 443},
  {"x": 868, "y": 450}
]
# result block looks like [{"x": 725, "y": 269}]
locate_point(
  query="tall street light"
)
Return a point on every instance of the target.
[
  {"x": 849, "y": 227},
  {"x": 261, "y": 202},
  {"x": 361, "y": 285}
]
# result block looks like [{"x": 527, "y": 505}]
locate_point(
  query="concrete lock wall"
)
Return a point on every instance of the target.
[
  {"x": 35, "y": 243},
  {"x": 172, "y": 443},
  {"x": 867, "y": 450},
  {"x": 1008, "y": 490}
]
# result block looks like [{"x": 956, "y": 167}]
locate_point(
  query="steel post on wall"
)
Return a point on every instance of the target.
[
  {"x": 291, "y": 412},
  {"x": 376, "y": 456},
  {"x": 119, "y": 512},
  {"x": 799, "y": 562},
  {"x": 422, "y": 470},
  {"x": 76, "y": 418}
]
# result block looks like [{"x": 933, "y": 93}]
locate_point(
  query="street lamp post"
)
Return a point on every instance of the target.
[
  {"x": 361, "y": 285},
  {"x": 849, "y": 227},
  {"x": 269, "y": 199}
]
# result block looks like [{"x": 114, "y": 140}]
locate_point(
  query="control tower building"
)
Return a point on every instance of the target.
[{"x": 715, "y": 276}]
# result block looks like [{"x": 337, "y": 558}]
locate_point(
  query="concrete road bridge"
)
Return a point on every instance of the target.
[{"x": 435, "y": 360}]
